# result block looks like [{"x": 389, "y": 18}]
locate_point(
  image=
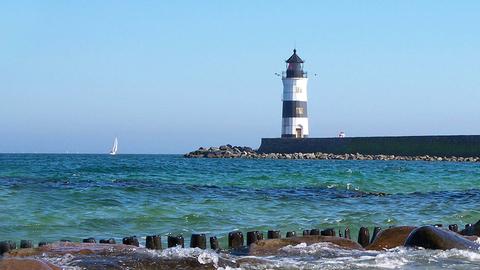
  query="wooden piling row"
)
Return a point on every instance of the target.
[{"x": 235, "y": 238}]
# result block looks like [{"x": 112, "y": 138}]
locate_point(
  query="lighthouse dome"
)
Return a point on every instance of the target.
[
  {"x": 294, "y": 58},
  {"x": 294, "y": 66}
]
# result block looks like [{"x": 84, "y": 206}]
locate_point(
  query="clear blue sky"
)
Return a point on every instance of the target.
[{"x": 170, "y": 76}]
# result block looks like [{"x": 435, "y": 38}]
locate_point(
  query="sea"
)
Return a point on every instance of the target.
[{"x": 49, "y": 197}]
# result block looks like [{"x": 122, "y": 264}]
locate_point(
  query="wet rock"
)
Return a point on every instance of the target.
[
  {"x": 431, "y": 237},
  {"x": 391, "y": 238},
  {"x": 98, "y": 256},
  {"x": 26, "y": 264},
  {"x": 272, "y": 246},
  {"x": 470, "y": 237}
]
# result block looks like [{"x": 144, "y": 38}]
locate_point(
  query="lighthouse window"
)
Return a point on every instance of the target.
[
  {"x": 299, "y": 110},
  {"x": 298, "y": 89}
]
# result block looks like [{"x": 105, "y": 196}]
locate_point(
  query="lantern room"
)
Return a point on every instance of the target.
[{"x": 295, "y": 66}]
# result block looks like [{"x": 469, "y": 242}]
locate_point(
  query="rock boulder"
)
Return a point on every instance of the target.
[{"x": 431, "y": 237}]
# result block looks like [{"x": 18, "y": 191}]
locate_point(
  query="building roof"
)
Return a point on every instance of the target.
[{"x": 294, "y": 58}]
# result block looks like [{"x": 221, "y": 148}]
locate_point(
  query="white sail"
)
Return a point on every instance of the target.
[{"x": 114, "y": 147}]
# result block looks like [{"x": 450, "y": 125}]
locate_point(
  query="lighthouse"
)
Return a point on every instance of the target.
[{"x": 294, "y": 112}]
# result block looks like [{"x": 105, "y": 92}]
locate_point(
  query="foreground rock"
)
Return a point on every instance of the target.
[
  {"x": 94, "y": 256},
  {"x": 272, "y": 246},
  {"x": 229, "y": 151},
  {"x": 431, "y": 237},
  {"x": 391, "y": 238},
  {"x": 99, "y": 256},
  {"x": 26, "y": 264}
]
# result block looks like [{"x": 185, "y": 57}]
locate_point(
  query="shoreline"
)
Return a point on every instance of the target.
[
  {"x": 229, "y": 151},
  {"x": 247, "y": 249}
]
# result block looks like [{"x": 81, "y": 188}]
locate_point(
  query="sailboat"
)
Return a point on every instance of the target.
[{"x": 114, "y": 147}]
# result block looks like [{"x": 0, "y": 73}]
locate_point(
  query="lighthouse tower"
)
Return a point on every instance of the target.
[{"x": 294, "y": 112}]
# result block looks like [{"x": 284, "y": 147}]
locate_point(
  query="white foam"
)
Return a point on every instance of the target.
[
  {"x": 390, "y": 260},
  {"x": 207, "y": 257},
  {"x": 62, "y": 261},
  {"x": 228, "y": 268},
  {"x": 457, "y": 253},
  {"x": 303, "y": 248},
  {"x": 330, "y": 256},
  {"x": 203, "y": 256}
]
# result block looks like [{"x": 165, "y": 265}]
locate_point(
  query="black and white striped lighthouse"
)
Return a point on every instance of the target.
[{"x": 294, "y": 113}]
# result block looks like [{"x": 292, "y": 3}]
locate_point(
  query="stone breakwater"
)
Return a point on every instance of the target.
[
  {"x": 107, "y": 254},
  {"x": 229, "y": 151}
]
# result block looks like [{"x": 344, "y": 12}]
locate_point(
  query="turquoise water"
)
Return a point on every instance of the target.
[{"x": 52, "y": 197}]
